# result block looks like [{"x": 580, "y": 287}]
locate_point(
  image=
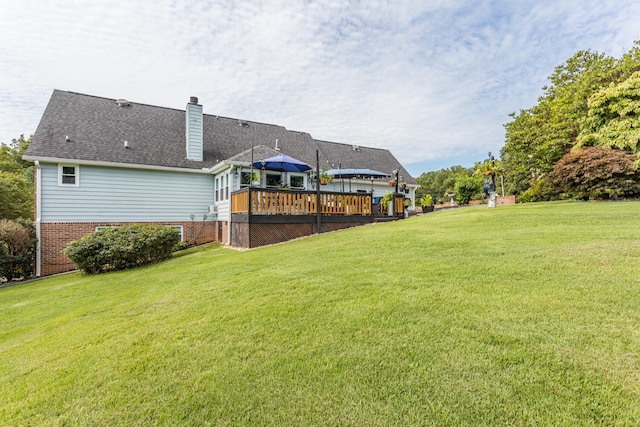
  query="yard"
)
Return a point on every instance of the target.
[{"x": 519, "y": 315}]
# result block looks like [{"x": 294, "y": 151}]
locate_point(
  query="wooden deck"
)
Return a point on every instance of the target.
[
  {"x": 260, "y": 201},
  {"x": 262, "y": 216}
]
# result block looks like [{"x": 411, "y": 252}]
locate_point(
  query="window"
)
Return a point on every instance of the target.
[
  {"x": 245, "y": 179},
  {"x": 297, "y": 182},
  {"x": 69, "y": 175},
  {"x": 222, "y": 188},
  {"x": 179, "y": 228},
  {"x": 273, "y": 180}
]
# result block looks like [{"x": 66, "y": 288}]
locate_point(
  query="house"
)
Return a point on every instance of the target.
[{"x": 103, "y": 162}]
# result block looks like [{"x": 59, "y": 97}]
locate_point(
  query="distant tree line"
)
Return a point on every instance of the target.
[
  {"x": 463, "y": 184},
  {"x": 441, "y": 182}
]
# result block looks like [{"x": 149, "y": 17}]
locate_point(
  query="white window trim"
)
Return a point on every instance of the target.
[
  {"x": 77, "y": 175},
  {"x": 180, "y": 229}
]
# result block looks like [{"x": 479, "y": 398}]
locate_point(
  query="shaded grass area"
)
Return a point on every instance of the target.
[{"x": 518, "y": 315}]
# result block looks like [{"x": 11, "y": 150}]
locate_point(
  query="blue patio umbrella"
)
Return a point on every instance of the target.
[{"x": 282, "y": 163}]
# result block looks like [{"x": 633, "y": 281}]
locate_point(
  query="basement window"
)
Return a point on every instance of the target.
[{"x": 69, "y": 175}]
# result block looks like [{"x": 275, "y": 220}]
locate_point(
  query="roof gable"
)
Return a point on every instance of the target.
[{"x": 84, "y": 127}]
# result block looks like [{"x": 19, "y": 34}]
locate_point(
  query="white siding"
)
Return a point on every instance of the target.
[
  {"x": 224, "y": 211},
  {"x": 226, "y": 187},
  {"x": 116, "y": 194}
]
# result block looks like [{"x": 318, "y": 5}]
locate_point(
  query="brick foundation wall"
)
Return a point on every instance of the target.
[
  {"x": 245, "y": 235},
  {"x": 54, "y": 236}
]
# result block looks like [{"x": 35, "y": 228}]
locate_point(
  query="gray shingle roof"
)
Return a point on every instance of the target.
[
  {"x": 97, "y": 128},
  {"x": 259, "y": 152}
]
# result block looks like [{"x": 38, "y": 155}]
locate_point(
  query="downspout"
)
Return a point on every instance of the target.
[{"x": 38, "y": 213}]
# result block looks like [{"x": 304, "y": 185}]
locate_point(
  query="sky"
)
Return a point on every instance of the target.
[{"x": 433, "y": 81}]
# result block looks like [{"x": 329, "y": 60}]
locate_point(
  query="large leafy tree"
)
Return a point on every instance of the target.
[
  {"x": 538, "y": 137},
  {"x": 16, "y": 181},
  {"x": 613, "y": 119}
]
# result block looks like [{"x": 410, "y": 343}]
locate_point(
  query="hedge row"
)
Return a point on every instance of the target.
[{"x": 121, "y": 248}]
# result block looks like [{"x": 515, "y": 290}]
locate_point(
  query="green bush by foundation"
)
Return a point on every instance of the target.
[{"x": 121, "y": 248}]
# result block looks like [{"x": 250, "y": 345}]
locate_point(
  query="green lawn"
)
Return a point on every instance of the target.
[{"x": 519, "y": 315}]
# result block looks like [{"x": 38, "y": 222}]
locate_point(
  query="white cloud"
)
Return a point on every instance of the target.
[{"x": 428, "y": 80}]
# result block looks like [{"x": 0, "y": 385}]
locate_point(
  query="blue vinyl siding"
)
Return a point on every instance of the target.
[{"x": 118, "y": 194}]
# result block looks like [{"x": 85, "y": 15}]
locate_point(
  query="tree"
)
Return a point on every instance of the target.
[
  {"x": 466, "y": 187},
  {"x": 520, "y": 166},
  {"x": 438, "y": 182},
  {"x": 11, "y": 155},
  {"x": 597, "y": 172},
  {"x": 16, "y": 181},
  {"x": 538, "y": 137},
  {"x": 613, "y": 119}
]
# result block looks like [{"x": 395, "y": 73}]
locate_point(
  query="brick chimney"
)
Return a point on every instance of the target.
[{"x": 194, "y": 130}]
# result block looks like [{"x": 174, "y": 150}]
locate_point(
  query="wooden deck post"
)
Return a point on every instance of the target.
[{"x": 318, "y": 213}]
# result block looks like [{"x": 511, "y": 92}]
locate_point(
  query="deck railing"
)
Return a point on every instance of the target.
[{"x": 260, "y": 201}]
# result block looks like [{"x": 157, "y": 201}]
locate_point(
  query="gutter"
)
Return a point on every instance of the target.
[
  {"x": 38, "y": 215},
  {"x": 114, "y": 165},
  {"x": 223, "y": 165}
]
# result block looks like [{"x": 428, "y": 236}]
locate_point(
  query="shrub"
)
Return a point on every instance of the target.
[
  {"x": 596, "y": 171},
  {"x": 541, "y": 191},
  {"x": 18, "y": 244},
  {"x": 121, "y": 248},
  {"x": 465, "y": 188},
  {"x": 426, "y": 200}
]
